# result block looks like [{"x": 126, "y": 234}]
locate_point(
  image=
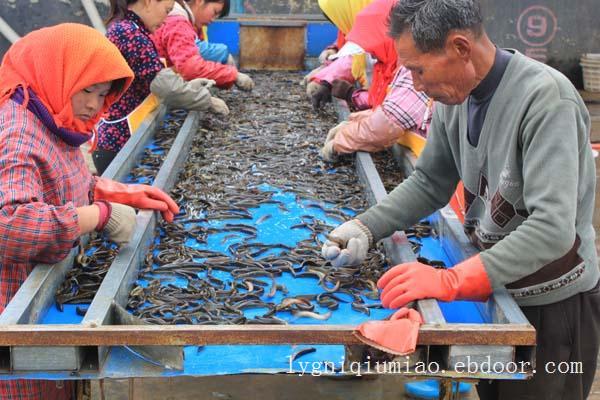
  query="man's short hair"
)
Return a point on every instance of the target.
[{"x": 430, "y": 21}]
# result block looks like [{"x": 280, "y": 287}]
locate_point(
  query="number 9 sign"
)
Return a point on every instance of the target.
[{"x": 537, "y": 26}]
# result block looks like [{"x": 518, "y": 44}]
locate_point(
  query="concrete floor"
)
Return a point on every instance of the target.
[
  {"x": 254, "y": 387},
  {"x": 264, "y": 387}
]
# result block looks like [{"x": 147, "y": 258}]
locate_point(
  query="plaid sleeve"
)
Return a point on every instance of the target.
[
  {"x": 403, "y": 105},
  {"x": 30, "y": 230}
]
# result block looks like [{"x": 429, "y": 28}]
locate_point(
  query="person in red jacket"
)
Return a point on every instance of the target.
[
  {"x": 54, "y": 85},
  {"x": 176, "y": 39}
]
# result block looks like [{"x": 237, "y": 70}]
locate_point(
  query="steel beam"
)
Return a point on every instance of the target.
[
  {"x": 124, "y": 269},
  {"x": 201, "y": 335}
]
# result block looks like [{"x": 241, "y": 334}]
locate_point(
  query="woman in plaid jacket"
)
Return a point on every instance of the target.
[{"x": 54, "y": 85}]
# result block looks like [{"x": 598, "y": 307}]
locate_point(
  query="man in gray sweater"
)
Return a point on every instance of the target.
[{"x": 516, "y": 132}]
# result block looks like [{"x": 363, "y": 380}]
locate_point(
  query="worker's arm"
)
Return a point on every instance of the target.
[
  {"x": 178, "y": 38},
  {"x": 428, "y": 189},
  {"x": 31, "y": 231}
]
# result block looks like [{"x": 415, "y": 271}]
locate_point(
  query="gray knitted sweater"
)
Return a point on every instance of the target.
[{"x": 529, "y": 185}]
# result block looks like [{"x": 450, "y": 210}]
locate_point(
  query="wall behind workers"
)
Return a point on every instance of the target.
[
  {"x": 27, "y": 15},
  {"x": 553, "y": 31}
]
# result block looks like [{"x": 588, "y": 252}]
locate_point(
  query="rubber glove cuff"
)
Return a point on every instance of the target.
[{"x": 473, "y": 281}]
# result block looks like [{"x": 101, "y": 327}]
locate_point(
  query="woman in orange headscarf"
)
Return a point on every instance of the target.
[{"x": 54, "y": 85}]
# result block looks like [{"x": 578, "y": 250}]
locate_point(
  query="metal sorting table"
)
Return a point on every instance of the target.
[{"x": 93, "y": 349}]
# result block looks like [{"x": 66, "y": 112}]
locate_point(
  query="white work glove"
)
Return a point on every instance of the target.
[
  {"x": 202, "y": 82},
  {"x": 218, "y": 106},
  {"x": 327, "y": 152},
  {"x": 308, "y": 77},
  {"x": 333, "y": 131},
  {"x": 325, "y": 54},
  {"x": 119, "y": 227},
  {"x": 347, "y": 244},
  {"x": 244, "y": 82},
  {"x": 175, "y": 92}
]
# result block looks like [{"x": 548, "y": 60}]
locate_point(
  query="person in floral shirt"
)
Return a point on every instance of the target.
[{"x": 129, "y": 28}]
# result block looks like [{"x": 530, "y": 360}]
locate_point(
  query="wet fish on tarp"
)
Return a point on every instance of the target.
[
  {"x": 222, "y": 185},
  {"x": 263, "y": 219}
]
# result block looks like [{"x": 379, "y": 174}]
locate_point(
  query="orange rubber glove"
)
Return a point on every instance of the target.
[
  {"x": 397, "y": 336},
  {"x": 138, "y": 196},
  {"x": 413, "y": 281}
]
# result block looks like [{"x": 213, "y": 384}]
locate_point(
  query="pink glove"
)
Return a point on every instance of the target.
[
  {"x": 369, "y": 130},
  {"x": 413, "y": 281},
  {"x": 340, "y": 68},
  {"x": 359, "y": 115},
  {"x": 397, "y": 336},
  {"x": 138, "y": 196}
]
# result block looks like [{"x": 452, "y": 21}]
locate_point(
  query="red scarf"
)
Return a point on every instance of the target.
[{"x": 370, "y": 32}]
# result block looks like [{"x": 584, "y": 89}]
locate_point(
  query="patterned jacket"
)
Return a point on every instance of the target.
[{"x": 133, "y": 40}]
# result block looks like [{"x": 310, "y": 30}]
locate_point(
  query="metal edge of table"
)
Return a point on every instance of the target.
[
  {"x": 84, "y": 334},
  {"x": 124, "y": 269},
  {"x": 179, "y": 335}
]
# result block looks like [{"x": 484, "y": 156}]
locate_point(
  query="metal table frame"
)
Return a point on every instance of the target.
[{"x": 26, "y": 345}]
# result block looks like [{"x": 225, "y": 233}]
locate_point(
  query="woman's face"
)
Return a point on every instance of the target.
[
  {"x": 205, "y": 13},
  {"x": 154, "y": 12},
  {"x": 87, "y": 103}
]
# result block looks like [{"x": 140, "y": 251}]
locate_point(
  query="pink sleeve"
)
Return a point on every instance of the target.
[
  {"x": 177, "y": 36},
  {"x": 360, "y": 98},
  {"x": 374, "y": 132},
  {"x": 340, "y": 68},
  {"x": 359, "y": 115}
]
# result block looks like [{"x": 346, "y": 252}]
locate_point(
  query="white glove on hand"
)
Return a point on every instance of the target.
[
  {"x": 347, "y": 244},
  {"x": 119, "y": 227},
  {"x": 244, "y": 82},
  {"x": 308, "y": 77},
  {"x": 333, "y": 131},
  {"x": 218, "y": 106},
  {"x": 202, "y": 82},
  {"x": 175, "y": 92},
  {"x": 327, "y": 152},
  {"x": 324, "y": 56}
]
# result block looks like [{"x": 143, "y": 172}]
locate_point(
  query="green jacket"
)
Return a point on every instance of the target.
[{"x": 529, "y": 185}]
